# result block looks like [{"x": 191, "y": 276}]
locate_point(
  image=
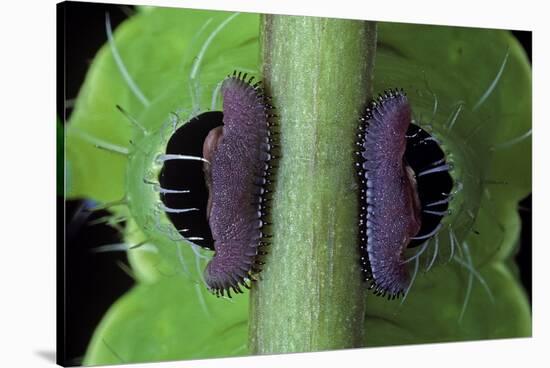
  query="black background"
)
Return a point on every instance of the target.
[{"x": 93, "y": 281}]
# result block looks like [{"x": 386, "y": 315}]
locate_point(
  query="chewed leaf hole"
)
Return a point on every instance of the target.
[
  {"x": 188, "y": 175},
  {"x": 423, "y": 153}
]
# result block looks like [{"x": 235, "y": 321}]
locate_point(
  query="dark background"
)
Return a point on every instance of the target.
[{"x": 93, "y": 281}]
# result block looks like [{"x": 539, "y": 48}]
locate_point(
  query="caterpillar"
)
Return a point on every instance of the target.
[
  {"x": 238, "y": 174},
  {"x": 393, "y": 213},
  {"x": 237, "y": 154}
]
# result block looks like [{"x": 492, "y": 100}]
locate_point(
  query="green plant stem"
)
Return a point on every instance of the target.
[{"x": 310, "y": 297}]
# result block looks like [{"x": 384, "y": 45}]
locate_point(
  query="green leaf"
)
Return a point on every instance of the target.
[
  {"x": 432, "y": 311},
  {"x": 158, "y": 48},
  {"x": 167, "y": 321},
  {"x": 457, "y": 66}
]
